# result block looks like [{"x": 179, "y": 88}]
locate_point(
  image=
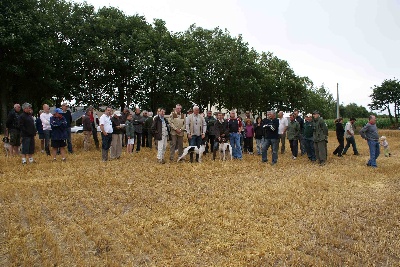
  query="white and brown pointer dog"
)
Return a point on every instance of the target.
[{"x": 223, "y": 148}]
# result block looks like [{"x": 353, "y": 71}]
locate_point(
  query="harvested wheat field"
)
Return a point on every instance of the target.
[{"x": 135, "y": 212}]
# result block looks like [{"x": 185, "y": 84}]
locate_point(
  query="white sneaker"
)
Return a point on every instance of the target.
[{"x": 294, "y": 157}]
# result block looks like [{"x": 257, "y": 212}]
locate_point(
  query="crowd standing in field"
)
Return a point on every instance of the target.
[{"x": 211, "y": 131}]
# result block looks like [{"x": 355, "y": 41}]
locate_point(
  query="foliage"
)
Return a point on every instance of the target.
[
  {"x": 353, "y": 110},
  {"x": 320, "y": 99},
  {"x": 55, "y": 50},
  {"x": 386, "y": 96}
]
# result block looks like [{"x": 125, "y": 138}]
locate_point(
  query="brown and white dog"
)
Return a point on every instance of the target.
[
  {"x": 223, "y": 148},
  {"x": 7, "y": 146}
]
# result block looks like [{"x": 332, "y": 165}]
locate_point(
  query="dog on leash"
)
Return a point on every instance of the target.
[
  {"x": 224, "y": 147},
  {"x": 197, "y": 150},
  {"x": 7, "y": 146}
]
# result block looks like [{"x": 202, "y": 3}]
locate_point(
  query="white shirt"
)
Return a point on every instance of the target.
[
  {"x": 283, "y": 123},
  {"x": 106, "y": 122},
  {"x": 349, "y": 127},
  {"x": 45, "y": 118}
]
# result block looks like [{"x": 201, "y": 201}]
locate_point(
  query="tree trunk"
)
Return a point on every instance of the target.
[
  {"x": 390, "y": 114},
  {"x": 4, "y": 88}
]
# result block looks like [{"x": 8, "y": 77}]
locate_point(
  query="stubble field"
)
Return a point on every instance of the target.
[{"x": 135, "y": 212}]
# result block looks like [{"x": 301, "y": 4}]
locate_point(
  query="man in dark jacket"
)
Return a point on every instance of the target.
[
  {"x": 68, "y": 117},
  {"x": 138, "y": 122},
  {"x": 271, "y": 136},
  {"x": 320, "y": 138},
  {"x": 28, "y": 132},
  {"x": 160, "y": 129},
  {"x": 147, "y": 128},
  {"x": 12, "y": 125},
  {"x": 221, "y": 131},
  {"x": 210, "y": 135},
  {"x": 300, "y": 120}
]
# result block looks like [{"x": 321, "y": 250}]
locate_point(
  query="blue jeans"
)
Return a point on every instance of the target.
[
  {"x": 266, "y": 144},
  {"x": 259, "y": 144},
  {"x": 350, "y": 141},
  {"x": 235, "y": 144},
  {"x": 309, "y": 144},
  {"x": 47, "y": 137},
  {"x": 302, "y": 145},
  {"x": 374, "y": 151},
  {"x": 195, "y": 140},
  {"x": 69, "y": 140},
  {"x": 106, "y": 141}
]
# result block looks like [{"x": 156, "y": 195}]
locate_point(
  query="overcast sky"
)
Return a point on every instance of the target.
[{"x": 351, "y": 42}]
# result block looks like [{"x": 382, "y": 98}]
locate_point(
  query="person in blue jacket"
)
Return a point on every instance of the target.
[{"x": 59, "y": 133}]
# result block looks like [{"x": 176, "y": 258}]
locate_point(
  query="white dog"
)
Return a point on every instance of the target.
[
  {"x": 194, "y": 149},
  {"x": 223, "y": 148}
]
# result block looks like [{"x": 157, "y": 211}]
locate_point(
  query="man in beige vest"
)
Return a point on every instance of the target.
[
  {"x": 196, "y": 127},
  {"x": 177, "y": 124}
]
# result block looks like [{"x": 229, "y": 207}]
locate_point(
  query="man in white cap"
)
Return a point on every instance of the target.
[{"x": 308, "y": 137}]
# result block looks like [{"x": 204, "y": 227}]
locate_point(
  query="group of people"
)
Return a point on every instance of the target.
[
  {"x": 54, "y": 131},
  {"x": 120, "y": 129}
]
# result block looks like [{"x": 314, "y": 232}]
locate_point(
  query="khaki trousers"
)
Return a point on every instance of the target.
[
  {"x": 116, "y": 146},
  {"x": 86, "y": 140},
  {"x": 176, "y": 143}
]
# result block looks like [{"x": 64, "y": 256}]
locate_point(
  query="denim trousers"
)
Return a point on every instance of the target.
[
  {"x": 374, "y": 151},
  {"x": 274, "y": 143},
  {"x": 234, "y": 139}
]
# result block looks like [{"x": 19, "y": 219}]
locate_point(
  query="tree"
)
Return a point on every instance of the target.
[
  {"x": 320, "y": 99},
  {"x": 353, "y": 110},
  {"x": 386, "y": 96}
]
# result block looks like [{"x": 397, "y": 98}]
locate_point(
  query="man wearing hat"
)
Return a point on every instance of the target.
[
  {"x": 28, "y": 132},
  {"x": 59, "y": 133},
  {"x": 68, "y": 117},
  {"x": 116, "y": 143},
  {"x": 308, "y": 137},
  {"x": 349, "y": 134},
  {"x": 320, "y": 136}
]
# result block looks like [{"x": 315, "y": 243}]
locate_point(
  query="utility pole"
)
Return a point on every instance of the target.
[{"x": 337, "y": 100}]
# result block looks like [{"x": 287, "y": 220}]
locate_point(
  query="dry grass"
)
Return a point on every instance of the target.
[{"x": 133, "y": 212}]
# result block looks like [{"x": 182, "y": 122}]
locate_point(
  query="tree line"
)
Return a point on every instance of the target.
[{"x": 55, "y": 50}]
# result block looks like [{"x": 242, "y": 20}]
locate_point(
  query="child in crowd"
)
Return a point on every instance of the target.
[
  {"x": 385, "y": 145},
  {"x": 130, "y": 133}
]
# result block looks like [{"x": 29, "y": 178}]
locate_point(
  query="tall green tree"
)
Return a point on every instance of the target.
[
  {"x": 353, "y": 110},
  {"x": 320, "y": 99},
  {"x": 387, "y": 96}
]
